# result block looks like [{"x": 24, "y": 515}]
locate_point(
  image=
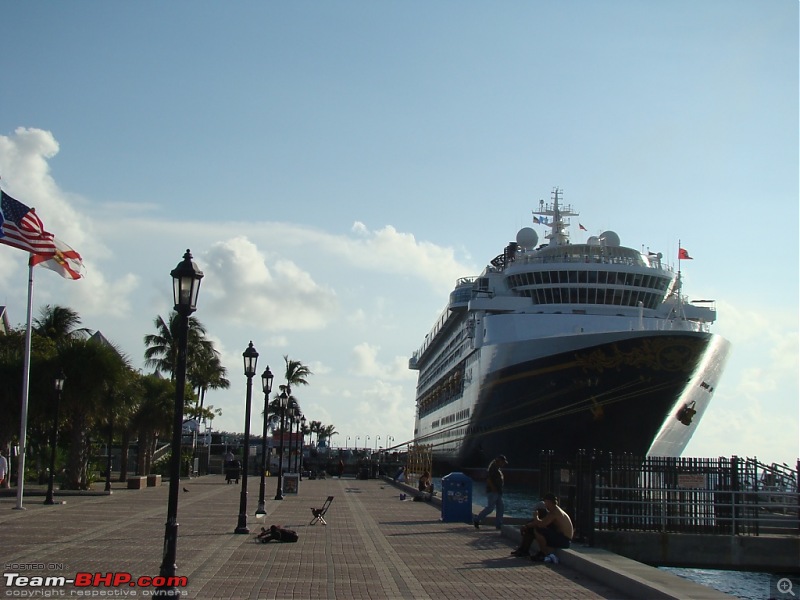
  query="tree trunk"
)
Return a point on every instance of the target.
[{"x": 76, "y": 459}]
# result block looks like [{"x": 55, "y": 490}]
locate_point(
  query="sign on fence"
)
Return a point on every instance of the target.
[{"x": 691, "y": 480}]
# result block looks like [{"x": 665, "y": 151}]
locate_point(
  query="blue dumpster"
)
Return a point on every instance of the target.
[{"x": 456, "y": 498}]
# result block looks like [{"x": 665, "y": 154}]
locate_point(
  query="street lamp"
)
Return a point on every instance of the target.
[
  {"x": 250, "y": 359},
  {"x": 266, "y": 386},
  {"x": 59, "y": 386},
  {"x": 366, "y": 444},
  {"x": 185, "y": 287},
  {"x": 290, "y": 421},
  {"x": 302, "y": 443},
  {"x": 284, "y": 400},
  {"x": 377, "y": 439}
]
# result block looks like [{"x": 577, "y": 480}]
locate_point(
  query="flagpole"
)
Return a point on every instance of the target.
[{"x": 23, "y": 426}]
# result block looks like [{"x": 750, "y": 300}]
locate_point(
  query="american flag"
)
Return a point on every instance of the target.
[{"x": 21, "y": 228}]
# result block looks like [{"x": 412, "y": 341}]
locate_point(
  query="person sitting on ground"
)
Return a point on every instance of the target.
[
  {"x": 554, "y": 531},
  {"x": 528, "y": 531},
  {"x": 425, "y": 486}
]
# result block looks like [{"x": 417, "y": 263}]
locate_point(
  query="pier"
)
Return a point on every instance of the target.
[{"x": 374, "y": 546}]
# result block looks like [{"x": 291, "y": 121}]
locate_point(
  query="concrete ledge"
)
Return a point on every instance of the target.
[
  {"x": 630, "y": 577},
  {"x": 153, "y": 480},
  {"x": 137, "y": 482}
]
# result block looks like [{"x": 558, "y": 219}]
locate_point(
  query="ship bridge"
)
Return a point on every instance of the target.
[{"x": 590, "y": 274}]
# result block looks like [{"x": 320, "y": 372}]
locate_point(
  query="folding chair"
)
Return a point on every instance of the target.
[{"x": 319, "y": 513}]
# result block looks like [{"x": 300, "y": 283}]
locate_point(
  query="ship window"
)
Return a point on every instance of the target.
[
  {"x": 626, "y": 298},
  {"x": 637, "y": 279},
  {"x": 537, "y": 278},
  {"x": 629, "y": 279},
  {"x": 548, "y": 294},
  {"x": 573, "y": 295},
  {"x": 582, "y": 295},
  {"x": 601, "y": 277},
  {"x": 573, "y": 277},
  {"x": 545, "y": 276},
  {"x": 592, "y": 276},
  {"x": 583, "y": 277}
]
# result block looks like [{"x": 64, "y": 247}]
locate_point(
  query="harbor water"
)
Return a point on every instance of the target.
[{"x": 747, "y": 585}]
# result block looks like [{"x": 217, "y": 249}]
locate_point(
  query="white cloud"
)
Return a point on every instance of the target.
[
  {"x": 366, "y": 364},
  {"x": 243, "y": 288}
]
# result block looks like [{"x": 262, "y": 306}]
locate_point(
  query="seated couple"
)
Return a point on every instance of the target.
[{"x": 551, "y": 527}]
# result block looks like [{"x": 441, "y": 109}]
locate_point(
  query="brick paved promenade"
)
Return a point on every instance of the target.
[{"x": 375, "y": 546}]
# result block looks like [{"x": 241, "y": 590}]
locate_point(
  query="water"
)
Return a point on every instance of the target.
[{"x": 747, "y": 585}]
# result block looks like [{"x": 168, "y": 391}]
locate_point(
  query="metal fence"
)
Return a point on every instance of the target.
[{"x": 733, "y": 496}]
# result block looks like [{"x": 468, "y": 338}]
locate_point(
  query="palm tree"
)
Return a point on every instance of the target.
[
  {"x": 296, "y": 372},
  {"x": 326, "y": 432},
  {"x": 313, "y": 427},
  {"x": 59, "y": 323},
  {"x": 92, "y": 369},
  {"x": 153, "y": 417},
  {"x": 162, "y": 347},
  {"x": 207, "y": 373}
]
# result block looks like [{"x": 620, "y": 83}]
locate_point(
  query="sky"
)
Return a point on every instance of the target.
[{"x": 335, "y": 166}]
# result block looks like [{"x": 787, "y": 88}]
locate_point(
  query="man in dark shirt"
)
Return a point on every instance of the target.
[{"x": 494, "y": 493}]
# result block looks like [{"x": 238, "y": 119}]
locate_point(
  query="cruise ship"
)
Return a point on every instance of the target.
[{"x": 560, "y": 347}]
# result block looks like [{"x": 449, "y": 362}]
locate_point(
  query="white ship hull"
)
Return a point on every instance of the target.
[{"x": 563, "y": 348}]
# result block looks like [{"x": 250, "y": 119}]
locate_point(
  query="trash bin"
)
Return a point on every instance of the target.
[{"x": 456, "y": 498}]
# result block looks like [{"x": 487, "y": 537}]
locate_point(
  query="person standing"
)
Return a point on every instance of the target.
[{"x": 494, "y": 493}]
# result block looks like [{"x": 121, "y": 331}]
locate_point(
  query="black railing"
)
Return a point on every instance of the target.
[{"x": 731, "y": 496}]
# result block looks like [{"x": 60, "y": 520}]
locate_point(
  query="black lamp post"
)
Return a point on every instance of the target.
[
  {"x": 302, "y": 443},
  {"x": 292, "y": 440},
  {"x": 266, "y": 385},
  {"x": 185, "y": 286},
  {"x": 59, "y": 386},
  {"x": 250, "y": 359},
  {"x": 284, "y": 400}
]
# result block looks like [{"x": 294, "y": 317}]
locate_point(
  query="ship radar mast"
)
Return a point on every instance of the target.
[{"x": 554, "y": 215}]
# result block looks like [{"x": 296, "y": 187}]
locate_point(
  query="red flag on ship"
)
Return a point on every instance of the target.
[
  {"x": 683, "y": 254},
  {"x": 580, "y": 226}
]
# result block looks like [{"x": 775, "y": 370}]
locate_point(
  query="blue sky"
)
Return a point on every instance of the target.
[{"x": 335, "y": 166}]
